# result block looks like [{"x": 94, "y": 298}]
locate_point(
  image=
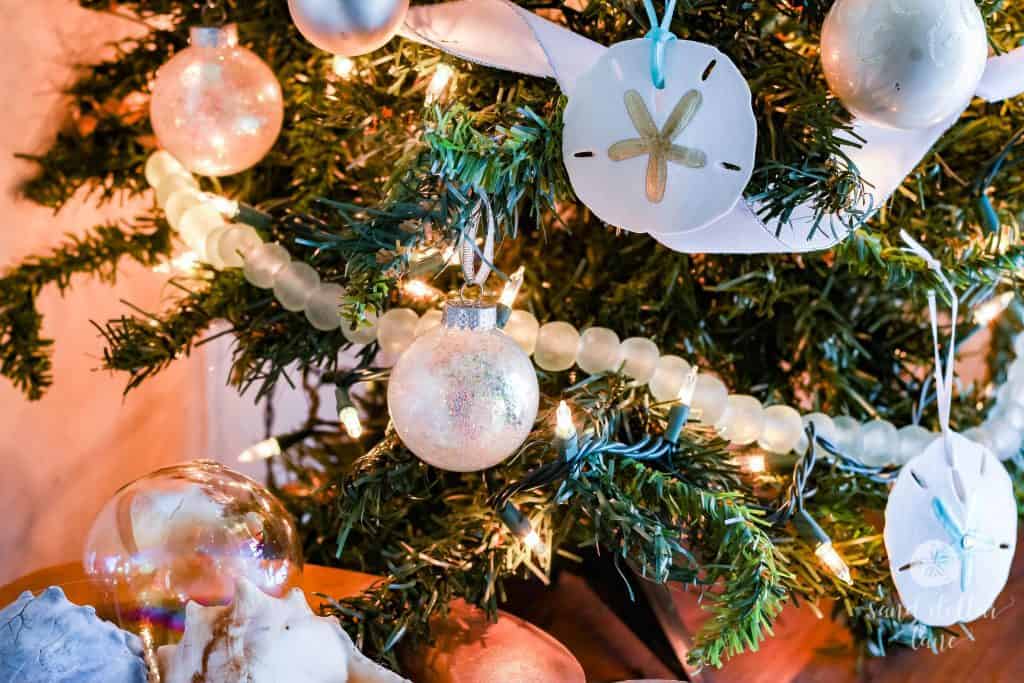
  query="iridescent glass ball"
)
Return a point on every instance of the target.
[
  {"x": 464, "y": 396},
  {"x": 216, "y": 106},
  {"x": 188, "y": 532}
]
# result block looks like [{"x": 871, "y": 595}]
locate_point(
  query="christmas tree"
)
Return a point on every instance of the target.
[{"x": 400, "y": 159}]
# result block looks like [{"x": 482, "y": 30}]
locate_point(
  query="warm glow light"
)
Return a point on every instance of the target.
[
  {"x": 439, "y": 83},
  {"x": 512, "y": 287},
  {"x": 831, "y": 560},
  {"x": 689, "y": 386},
  {"x": 532, "y": 541},
  {"x": 349, "y": 418},
  {"x": 564, "y": 427},
  {"x": 343, "y": 66},
  {"x": 264, "y": 450},
  {"x": 754, "y": 463},
  {"x": 992, "y": 309},
  {"x": 418, "y": 289},
  {"x": 183, "y": 263}
]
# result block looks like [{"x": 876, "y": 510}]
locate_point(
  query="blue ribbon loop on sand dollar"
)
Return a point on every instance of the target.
[{"x": 660, "y": 36}]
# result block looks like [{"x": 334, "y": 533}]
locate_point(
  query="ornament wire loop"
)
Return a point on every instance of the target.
[{"x": 660, "y": 35}]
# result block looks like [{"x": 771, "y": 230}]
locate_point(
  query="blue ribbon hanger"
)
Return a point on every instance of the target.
[{"x": 660, "y": 35}]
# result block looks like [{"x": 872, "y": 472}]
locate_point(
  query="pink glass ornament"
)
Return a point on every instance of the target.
[{"x": 216, "y": 106}]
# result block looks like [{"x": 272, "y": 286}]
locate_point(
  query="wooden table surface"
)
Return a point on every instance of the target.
[{"x": 805, "y": 649}]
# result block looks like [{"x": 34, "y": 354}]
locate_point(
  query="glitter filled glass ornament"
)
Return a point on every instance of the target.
[
  {"x": 188, "y": 532},
  {"x": 464, "y": 396},
  {"x": 216, "y": 107},
  {"x": 348, "y": 27}
]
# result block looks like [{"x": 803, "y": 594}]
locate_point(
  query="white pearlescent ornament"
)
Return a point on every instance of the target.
[
  {"x": 294, "y": 284},
  {"x": 782, "y": 429},
  {"x": 662, "y": 161},
  {"x": 950, "y": 532},
  {"x": 216, "y": 106},
  {"x": 912, "y": 441},
  {"x": 710, "y": 398},
  {"x": 323, "y": 309},
  {"x": 263, "y": 263},
  {"x": 464, "y": 396},
  {"x": 363, "y": 333},
  {"x": 262, "y": 639},
  {"x": 557, "y": 345},
  {"x": 599, "y": 350},
  {"x": 878, "y": 443},
  {"x": 742, "y": 421},
  {"x": 640, "y": 358},
  {"x": 397, "y": 330},
  {"x": 668, "y": 378},
  {"x": 429, "y": 321},
  {"x": 524, "y": 328},
  {"x": 237, "y": 240},
  {"x": 348, "y": 27},
  {"x": 904, "y": 64}
]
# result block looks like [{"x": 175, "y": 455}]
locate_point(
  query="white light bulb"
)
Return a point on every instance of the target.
[
  {"x": 512, "y": 287},
  {"x": 264, "y": 450},
  {"x": 831, "y": 560},
  {"x": 349, "y": 418},
  {"x": 689, "y": 386},
  {"x": 343, "y": 66},
  {"x": 754, "y": 463},
  {"x": 533, "y": 542},
  {"x": 564, "y": 427},
  {"x": 418, "y": 289},
  {"x": 228, "y": 207},
  {"x": 439, "y": 83}
]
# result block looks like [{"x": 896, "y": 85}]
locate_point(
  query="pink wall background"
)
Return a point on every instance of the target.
[{"x": 62, "y": 457}]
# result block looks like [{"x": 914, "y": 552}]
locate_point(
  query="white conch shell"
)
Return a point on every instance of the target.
[{"x": 262, "y": 639}]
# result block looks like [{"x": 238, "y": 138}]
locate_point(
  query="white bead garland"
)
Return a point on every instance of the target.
[
  {"x": 743, "y": 420},
  {"x": 323, "y": 309},
  {"x": 878, "y": 445},
  {"x": 263, "y": 263},
  {"x": 557, "y": 344},
  {"x": 668, "y": 378},
  {"x": 294, "y": 284},
  {"x": 600, "y": 351},
  {"x": 429, "y": 321},
  {"x": 709, "y": 399},
  {"x": 396, "y": 330},
  {"x": 364, "y": 333},
  {"x": 640, "y": 358},
  {"x": 523, "y": 327},
  {"x": 782, "y": 429}
]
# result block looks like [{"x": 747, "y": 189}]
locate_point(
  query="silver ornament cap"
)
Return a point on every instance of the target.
[
  {"x": 462, "y": 314},
  {"x": 214, "y": 36}
]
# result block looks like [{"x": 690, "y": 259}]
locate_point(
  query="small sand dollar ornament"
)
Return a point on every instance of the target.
[
  {"x": 667, "y": 159},
  {"x": 950, "y": 532}
]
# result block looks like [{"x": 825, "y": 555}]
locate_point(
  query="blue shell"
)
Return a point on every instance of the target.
[{"x": 48, "y": 639}]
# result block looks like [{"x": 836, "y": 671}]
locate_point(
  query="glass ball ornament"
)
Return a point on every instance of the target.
[
  {"x": 187, "y": 533},
  {"x": 428, "y": 321},
  {"x": 216, "y": 106},
  {"x": 348, "y": 27},
  {"x": 464, "y": 396},
  {"x": 905, "y": 64},
  {"x": 294, "y": 284}
]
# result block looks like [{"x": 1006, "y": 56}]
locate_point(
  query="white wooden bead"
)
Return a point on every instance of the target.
[
  {"x": 363, "y": 333},
  {"x": 197, "y": 223},
  {"x": 323, "y": 309},
  {"x": 710, "y": 398},
  {"x": 294, "y": 284},
  {"x": 180, "y": 202},
  {"x": 209, "y": 252},
  {"x": 557, "y": 344},
  {"x": 523, "y": 327},
  {"x": 396, "y": 330},
  {"x": 847, "y": 436},
  {"x": 263, "y": 263},
  {"x": 429, "y": 321},
  {"x": 823, "y": 427},
  {"x": 879, "y": 445},
  {"x": 668, "y": 378},
  {"x": 640, "y": 358},
  {"x": 599, "y": 351},
  {"x": 235, "y": 242},
  {"x": 743, "y": 420},
  {"x": 782, "y": 429},
  {"x": 913, "y": 439}
]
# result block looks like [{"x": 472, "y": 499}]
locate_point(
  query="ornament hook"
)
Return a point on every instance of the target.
[
  {"x": 943, "y": 373},
  {"x": 476, "y": 277},
  {"x": 660, "y": 35}
]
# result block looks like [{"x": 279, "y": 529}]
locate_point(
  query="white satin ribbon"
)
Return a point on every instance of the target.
[{"x": 502, "y": 35}]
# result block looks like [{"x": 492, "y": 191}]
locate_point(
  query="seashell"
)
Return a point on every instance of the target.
[
  {"x": 48, "y": 638},
  {"x": 262, "y": 639}
]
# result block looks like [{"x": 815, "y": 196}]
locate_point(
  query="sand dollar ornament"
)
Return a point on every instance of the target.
[
  {"x": 950, "y": 532},
  {"x": 660, "y": 134},
  {"x": 904, "y": 63}
]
